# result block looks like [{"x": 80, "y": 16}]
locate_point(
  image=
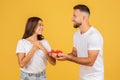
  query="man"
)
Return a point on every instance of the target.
[{"x": 88, "y": 46}]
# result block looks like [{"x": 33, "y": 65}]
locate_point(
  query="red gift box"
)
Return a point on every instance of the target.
[{"x": 55, "y": 52}]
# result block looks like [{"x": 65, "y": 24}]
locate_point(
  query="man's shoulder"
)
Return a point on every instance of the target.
[
  {"x": 77, "y": 32},
  {"x": 94, "y": 32}
]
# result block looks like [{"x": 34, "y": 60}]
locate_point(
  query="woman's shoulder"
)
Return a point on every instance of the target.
[
  {"x": 21, "y": 41},
  {"x": 44, "y": 41}
]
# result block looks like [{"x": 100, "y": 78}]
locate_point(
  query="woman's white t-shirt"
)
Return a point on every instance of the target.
[{"x": 38, "y": 62}]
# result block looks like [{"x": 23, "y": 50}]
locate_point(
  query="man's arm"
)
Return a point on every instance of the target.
[
  {"x": 74, "y": 52},
  {"x": 88, "y": 61}
]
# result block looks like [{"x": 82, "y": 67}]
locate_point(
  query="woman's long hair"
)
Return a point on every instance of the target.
[{"x": 30, "y": 28}]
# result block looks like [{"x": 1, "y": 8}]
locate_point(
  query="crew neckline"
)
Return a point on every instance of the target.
[
  {"x": 86, "y": 31},
  {"x": 27, "y": 41}
]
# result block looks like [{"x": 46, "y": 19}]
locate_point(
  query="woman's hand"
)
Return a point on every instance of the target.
[{"x": 38, "y": 44}]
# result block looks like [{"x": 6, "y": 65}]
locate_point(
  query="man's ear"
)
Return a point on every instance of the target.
[{"x": 84, "y": 17}]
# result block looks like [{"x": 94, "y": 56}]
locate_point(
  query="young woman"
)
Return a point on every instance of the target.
[{"x": 32, "y": 51}]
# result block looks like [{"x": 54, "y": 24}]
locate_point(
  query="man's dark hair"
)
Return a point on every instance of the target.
[{"x": 82, "y": 7}]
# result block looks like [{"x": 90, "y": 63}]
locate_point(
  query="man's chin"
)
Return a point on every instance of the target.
[{"x": 77, "y": 25}]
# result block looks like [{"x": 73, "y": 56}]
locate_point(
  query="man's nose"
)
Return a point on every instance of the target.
[{"x": 73, "y": 20}]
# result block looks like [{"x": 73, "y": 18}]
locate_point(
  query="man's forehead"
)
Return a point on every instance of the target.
[{"x": 77, "y": 11}]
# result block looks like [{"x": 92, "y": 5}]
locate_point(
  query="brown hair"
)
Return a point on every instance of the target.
[{"x": 30, "y": 27}]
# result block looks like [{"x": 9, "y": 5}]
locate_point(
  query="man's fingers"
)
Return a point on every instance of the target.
[
  {"x": 54, "y": 55},
  {"x": 62, "y": 55},
  {"x": 60, "y": 58}
]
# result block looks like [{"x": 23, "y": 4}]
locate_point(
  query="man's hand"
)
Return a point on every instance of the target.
[
  {"x": 62, "y": 57},
  {"x": 55, "y": 53}
]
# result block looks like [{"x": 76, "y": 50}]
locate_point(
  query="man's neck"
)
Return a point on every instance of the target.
[{"x": 84, "y": 28}]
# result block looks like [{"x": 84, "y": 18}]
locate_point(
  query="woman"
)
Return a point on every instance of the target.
[{"x": 32, "y": 51}]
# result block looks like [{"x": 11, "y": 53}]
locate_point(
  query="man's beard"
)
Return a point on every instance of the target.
[{"x": 77, "y": 25}]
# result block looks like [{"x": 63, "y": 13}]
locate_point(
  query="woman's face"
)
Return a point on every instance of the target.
[{"x": 39, "y": 28}]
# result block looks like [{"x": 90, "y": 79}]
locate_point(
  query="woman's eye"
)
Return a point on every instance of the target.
[{"x": 40, "y": 24}]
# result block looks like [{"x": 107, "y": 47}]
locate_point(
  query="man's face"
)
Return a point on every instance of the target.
[{"x": 77, "y": 18}]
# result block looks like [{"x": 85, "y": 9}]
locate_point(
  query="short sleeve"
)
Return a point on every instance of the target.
[
  {"x": 94, "y": 42},
  {"x": 47, "y": 45},
  {"x": 20, "y": 47},
  {"x": 74, "y": 41}
]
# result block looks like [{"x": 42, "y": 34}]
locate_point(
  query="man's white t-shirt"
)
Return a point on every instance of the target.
[
  {"x": 38, "y": 62},
  {"x": 90, "y": 40}
]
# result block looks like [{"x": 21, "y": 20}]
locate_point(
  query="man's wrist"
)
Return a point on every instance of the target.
[{"x": 69, "y": 57}]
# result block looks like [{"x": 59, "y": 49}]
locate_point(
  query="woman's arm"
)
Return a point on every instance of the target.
[
  {"x": 23, "y": 60},
  {"x": 49, "y": 58}
]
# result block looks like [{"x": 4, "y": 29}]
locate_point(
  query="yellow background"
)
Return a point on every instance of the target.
[{"x": 58, "y": 30}]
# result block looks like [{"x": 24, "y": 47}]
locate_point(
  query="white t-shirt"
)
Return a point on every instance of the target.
[
  {"x": 38, "y": 62},
  {"x": 90, "y": 40}
]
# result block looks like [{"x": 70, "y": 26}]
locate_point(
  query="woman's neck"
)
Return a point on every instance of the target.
[{"x": 32, "y": 38}]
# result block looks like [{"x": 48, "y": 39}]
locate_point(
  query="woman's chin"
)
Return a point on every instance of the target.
[{"x": 40, "y": 34}]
